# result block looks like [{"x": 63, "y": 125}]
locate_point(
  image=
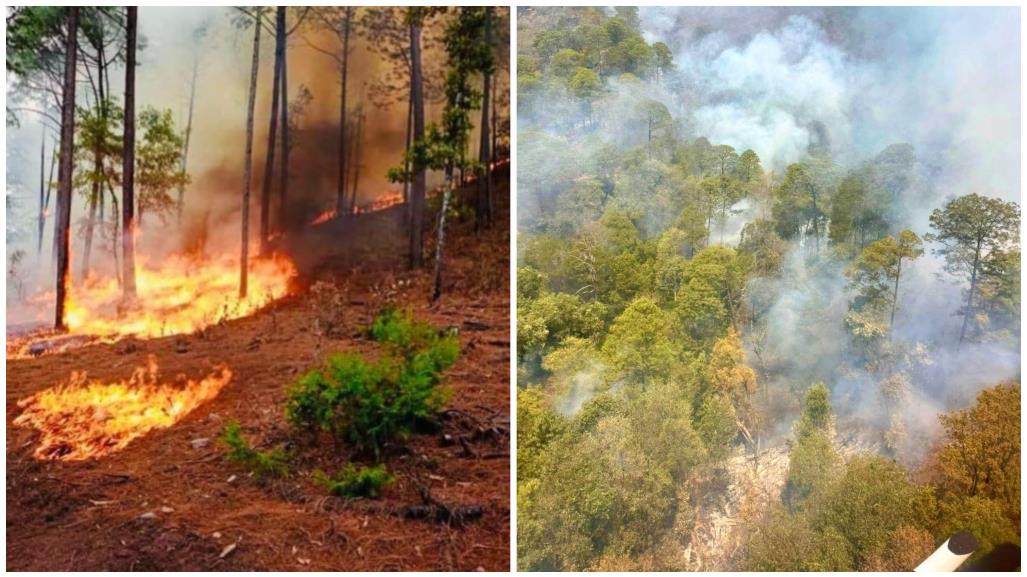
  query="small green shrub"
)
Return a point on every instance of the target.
[
  {"x": 356, "y": 482},
  {"x": 401, "y": 332},
  {"x": 260, "y": 463},
  {"x": 369, "y": 404}
]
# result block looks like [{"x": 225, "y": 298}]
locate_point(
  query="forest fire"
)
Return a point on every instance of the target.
[
  {"x": 83, "y": 419},
  {"x": 382, "y": 202},
  {"x": 183, "y": 295},
  {"x": 324, "y": 216}
]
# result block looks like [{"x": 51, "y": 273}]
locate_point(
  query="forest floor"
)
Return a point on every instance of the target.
[{"x": 171, "y": 501}]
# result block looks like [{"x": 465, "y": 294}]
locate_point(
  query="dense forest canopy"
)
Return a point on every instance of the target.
[{"x": 768, "y": 279}]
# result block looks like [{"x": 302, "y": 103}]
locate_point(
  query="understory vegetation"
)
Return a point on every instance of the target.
[
  {"x": 364, "y": 404},
  {"x": 685, "y": 313}
]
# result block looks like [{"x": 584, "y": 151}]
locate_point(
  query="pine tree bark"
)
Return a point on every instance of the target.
[
  {"x": 356, "y": 159},
  {"x": 42, "y": 194},
  {"x": 484, "y": 216},
  {"x": 63, "y": 229},
  {"x": 248, "y": 167},
  {"x": 417, "y": 190},
  {"x": 406, "y": 160},
  {"x": 128, "y": 225},
  {"x": 340, "y": 199},
  {"x": 272, "y": 133},
  {"x": 283, "y": 175}
]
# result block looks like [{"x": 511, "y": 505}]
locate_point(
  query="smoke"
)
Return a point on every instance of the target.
[
  {"x": 172, "y": 40},
  {"x": 849, "y": 82}
]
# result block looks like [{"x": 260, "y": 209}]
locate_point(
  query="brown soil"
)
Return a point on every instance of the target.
[{"x": 162, "y": 504}]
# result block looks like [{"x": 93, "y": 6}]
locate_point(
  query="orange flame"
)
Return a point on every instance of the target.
[
  {"x": 324, "y": 216},
  {"x": 83, "y": 419},
  {"x": 183, "y": 295}
]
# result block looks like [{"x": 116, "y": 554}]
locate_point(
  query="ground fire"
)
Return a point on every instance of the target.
[
  {"x": 85, "y": 419},
  {"x": 181, "y": 295}
]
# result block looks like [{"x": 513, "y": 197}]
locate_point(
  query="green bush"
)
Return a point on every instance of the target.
[
  {"x": 368, "y": 404},
  {"x": 260, "y": 463},
  {"x": 402, "y": 333},
  {"x": 356, "y": 482}
]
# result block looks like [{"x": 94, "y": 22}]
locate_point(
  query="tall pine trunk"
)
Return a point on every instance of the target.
[
  {"x": 63, "y": 229},
  {"x": 356, "y": 158},
  {"x": 419, "y": 178},
  {"x": 406, "y": 160},
  {"x": 340, "y": 199},
  {"x": 128, "y": 225},
  {"x": 42, "y": 194},
  {"x": 484, "y": 216},
  {"x": 272, "y": 133},
  {"x": 283, "y": 175},
  {"x": 244, "y": 256}
]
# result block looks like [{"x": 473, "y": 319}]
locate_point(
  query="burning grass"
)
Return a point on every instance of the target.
[
  {"x": 180, "y": 295},
  {"x": 82, "y": 419}
]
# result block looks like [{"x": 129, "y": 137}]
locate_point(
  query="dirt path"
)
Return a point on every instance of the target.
[{"x": 170, "y": 501}]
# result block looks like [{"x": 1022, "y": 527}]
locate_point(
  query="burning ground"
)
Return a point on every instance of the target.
[{"x": 169, "y": 500}]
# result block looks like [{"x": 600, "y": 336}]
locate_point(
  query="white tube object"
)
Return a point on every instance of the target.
[{"x": 950, "y": 555}]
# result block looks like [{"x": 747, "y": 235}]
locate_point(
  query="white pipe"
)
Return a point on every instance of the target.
[{"x": 950, "y": 555}]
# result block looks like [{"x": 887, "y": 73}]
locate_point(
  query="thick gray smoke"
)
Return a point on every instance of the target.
[
  {"x": 781, "y": 81},
  {"x": 946, "y": 80},
  {"x": 851, "y": 82}
]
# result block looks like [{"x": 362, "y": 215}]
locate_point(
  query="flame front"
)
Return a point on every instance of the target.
[
  {"x": 182, "y": 295},
  {"x": 83, "y": 419}
]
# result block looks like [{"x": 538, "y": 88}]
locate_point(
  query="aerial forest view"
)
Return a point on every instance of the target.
[
  {"x": 768, "y": 288},
  {"x": 258, "y": 288}
]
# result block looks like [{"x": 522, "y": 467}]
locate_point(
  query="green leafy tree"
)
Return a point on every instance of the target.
[
  {"x": 971, "y": 232},
  {"x": 876, "y": 273},
  {"x": 158, "y": 163},
  {"x": 812, "y": 458},
  {"x": 639, "y": 345}
]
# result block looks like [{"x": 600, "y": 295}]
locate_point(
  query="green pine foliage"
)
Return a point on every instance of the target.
[
  {"x": 262, "y": 464},
  {"x": 356, "y": 482},
  {"x": 371, "y": 403}
]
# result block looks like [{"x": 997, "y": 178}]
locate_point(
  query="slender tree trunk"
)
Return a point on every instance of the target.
[
  {"x": 406, "y": 160},
  {"x": 283, "y": 175},
  {"x": 272, "y": 133},
  {"x": 970, "y": 296},
  {"x": 441, "y": 240},
  {"x": 419, "y": 178},
  {"x": 188, "y": 135},
  {"x": 128, "y": 226},
  {"x": 340, "y": 199},
  {"x": 114, "y": 234},
  {"x": 55, "y": 161},
  {"x": 492, "y": 153},
  {"x": 244, "y": 257},
  {"x": 90, "y": 224},
  {"x": 484, "y": 219},
  {"x": 63, "y": 228},
  {"x": 895, "y": 295},
  {"x": 42, "y": 195},
  {"x": 356, "y": 158}
]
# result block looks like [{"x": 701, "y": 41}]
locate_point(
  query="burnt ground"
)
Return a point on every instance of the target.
[{"x": 164, "y": 504}]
